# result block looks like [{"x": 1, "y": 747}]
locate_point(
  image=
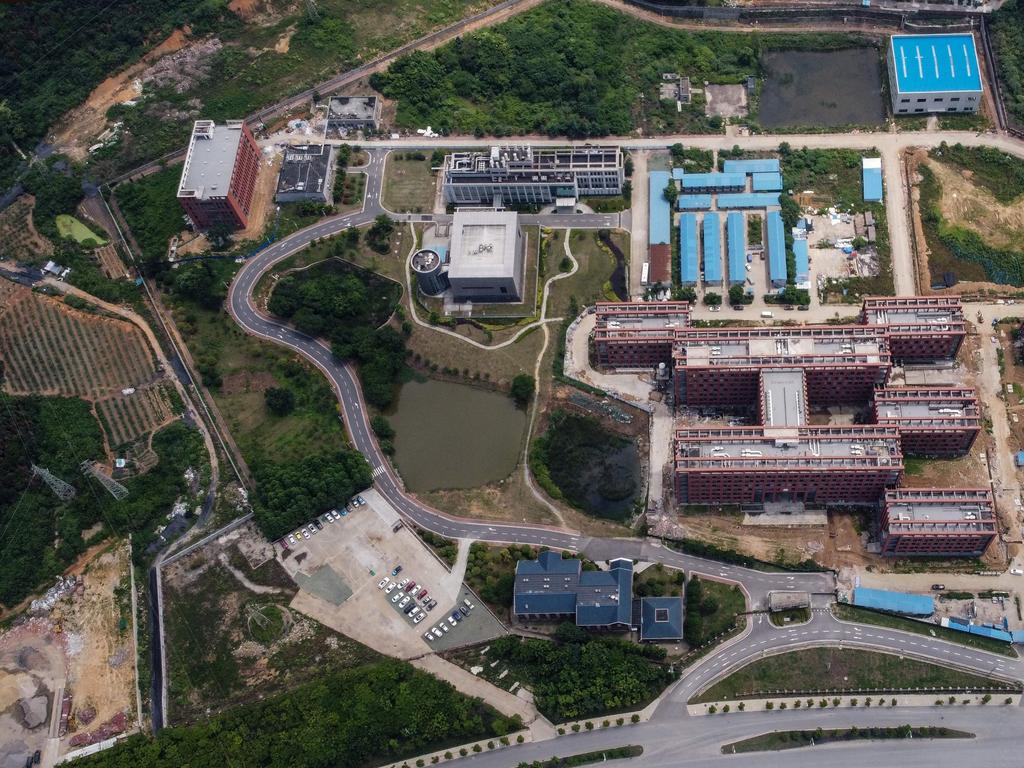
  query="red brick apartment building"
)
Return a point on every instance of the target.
[
  {"x": 219, "y": 175},
  {"x": 638, "y": 334},
  {"x": 722, "y": 366},
  {"x": 940, "y": 422},
  {"x": 822, "y": 465},
  {"x": 945, "y": 522},
  {"x": 918, "y": 327}
]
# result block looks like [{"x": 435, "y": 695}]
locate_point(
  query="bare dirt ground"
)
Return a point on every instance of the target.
[
  {"x": 965, "y": 204},
  {"x": 32, "y": 664},
  {"x": 110, "y": 262},
  {"x": 960, "y": 201},
  {"x": 262, "y": 209},
  {"x": 18, "y": 236},
  {"x": 790, "y": 543},
  {"x": 101, "y": 646},
  {"x": 84, "y": 123}
]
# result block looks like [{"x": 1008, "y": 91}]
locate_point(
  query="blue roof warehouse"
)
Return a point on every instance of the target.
[{"x": 934, "y": 73}]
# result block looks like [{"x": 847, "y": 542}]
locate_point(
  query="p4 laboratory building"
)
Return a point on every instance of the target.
[{"x": 934, "y": 73}]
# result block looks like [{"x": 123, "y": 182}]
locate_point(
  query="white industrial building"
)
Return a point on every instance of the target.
[
  {"x": 934, "y": 73},
  {"x": 507, "y": 176},
  {"x": 486, "y": 257}
]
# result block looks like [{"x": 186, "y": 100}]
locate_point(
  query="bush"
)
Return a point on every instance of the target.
[
  {"x": 769, "y": 705},
  {"x": 634, "y": 719},
  {"x": 523, "y": 387},
  {"x": 519, "y": 739},
  {"x": 279, "y": 402}
]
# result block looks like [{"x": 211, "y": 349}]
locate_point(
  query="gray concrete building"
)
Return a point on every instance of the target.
[
  {"x": 346, "y": 114},
  {"x": 307, "y": 173},
  {"x": 486, "y": 257},
  {"x": 508, "y": 176}
]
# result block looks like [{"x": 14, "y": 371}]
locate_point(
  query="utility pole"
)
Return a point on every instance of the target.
[
  {"x": 89, "y": 469},
  {"x": 63, "y": 491}
]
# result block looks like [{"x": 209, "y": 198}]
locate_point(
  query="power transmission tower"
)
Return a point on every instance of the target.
[
  {"x": 63, "y": 491},
  {"x": 89, "y": 469}
]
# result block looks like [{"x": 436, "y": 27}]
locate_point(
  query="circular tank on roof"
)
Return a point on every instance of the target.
[{"x": 431, "y": 275}]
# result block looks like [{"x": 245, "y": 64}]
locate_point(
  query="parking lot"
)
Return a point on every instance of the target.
[{"x": 345, "y": 575}]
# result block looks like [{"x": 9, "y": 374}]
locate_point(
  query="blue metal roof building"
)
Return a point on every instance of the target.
[
  {"x": 552, "y": 587},
  {"x": 693, "y": 203},
  {"x": 713, "y": 182},
  {"x": 935, "y": 63},
  {"x": 754, "y": 165},
  {"x": 659, "y": 225},
  {"x": 766, "y": 182},
  {"x": 776, "y": 249},
  {"x": 871, "y": 177},
  {"x": 736, "y": 243},
  {"x": 661, "y": 618},
  {"x": 803, "y": 261},
  {"x": 748, "y": 200},
  {"x": 712, "y": 248},
  {"x": 894, "y": 602},
  {"x": 689, "y": 270},
  {"x": 934, "y": 73}
]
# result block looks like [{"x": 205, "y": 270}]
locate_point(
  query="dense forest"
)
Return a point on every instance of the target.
[
  {"x": 1007, "y": 35},
  {"x": 348, "y": 305},
  {"x": 347, "y": 719},
  {"x": 43, "y": 535},
  {"x": 289, "y": 494},
  {"x": 570, "y": 68},
  {"x": 582, "y": 675}
]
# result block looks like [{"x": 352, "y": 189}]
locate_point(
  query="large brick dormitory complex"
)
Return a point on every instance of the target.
[{"x": 779, "y": 373}]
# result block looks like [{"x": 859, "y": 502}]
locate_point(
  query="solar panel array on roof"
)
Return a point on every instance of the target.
[
  {"x": 748, "y": 200},
  {"x": 712, "y": 248},
  {"x": 776, "y": 249},
  {"x": 689, "y": 271},
  {"x": 935, "y": 63},
  {"x": 766, "y": 182},
  {"x": 736, "y": 240},
  {"x": 693, "y": 203},
  {"x": 659, "y": 225},
  {"x": 754, "y": 165},
  {"x": 713, "y": 181},
  {"x": 803, "y": 261},
  {"x": 871, "y": 175}
]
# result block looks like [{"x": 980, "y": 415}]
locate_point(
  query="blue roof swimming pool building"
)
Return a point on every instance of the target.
[{"x": 934, "y": 73}]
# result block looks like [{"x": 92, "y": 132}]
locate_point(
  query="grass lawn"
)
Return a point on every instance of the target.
[
  {"x": 730, "y": 605},
  {"x": 852, "y": 613},
  {"x": 828, "y": 670},
  {"x": 69, "y": 226},
  {"x": 408, "y": 183},
  {"x": 596, "y": 266},
  {"x": 793, "y": 616},
  {"x": 776, "y": 740}
]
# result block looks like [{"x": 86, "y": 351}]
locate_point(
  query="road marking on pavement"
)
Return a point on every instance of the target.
[{"x": 378, "y": 471}]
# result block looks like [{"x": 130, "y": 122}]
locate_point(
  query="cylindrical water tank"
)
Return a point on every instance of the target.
[{"x": 430, "y": 272}]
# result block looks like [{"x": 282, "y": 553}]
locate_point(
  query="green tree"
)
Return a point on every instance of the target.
[
  {"x": 736, "y": 294},
  {"x": 279, "y": 401},
  {"x": 712, "y": 299},
  {"x": 523, "y": 387}
]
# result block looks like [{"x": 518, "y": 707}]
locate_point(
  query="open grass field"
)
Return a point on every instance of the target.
[
  {"x": 19, "y": 239},
  {"x": 596, "y": 262},
  {"x": 408, "y": 183},
  {"x": 51, "y": 349},
  {"x": 820, "y": 670},
  {"x": 70, "y": 227}
]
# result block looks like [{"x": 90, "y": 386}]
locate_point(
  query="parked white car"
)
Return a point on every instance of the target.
[
  {"x": 391, "y": 588},
  {"x": 383, "y": 583}
]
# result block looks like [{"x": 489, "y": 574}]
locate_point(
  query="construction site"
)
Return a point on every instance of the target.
[{"x": 69, "y": 662}]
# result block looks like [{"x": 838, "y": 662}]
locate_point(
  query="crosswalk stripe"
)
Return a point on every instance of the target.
[{"x": 378, "y": 471}]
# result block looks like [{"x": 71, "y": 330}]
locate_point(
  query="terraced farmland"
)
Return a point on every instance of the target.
[
  {"x": 18, "y": 237},
  {"x": 50, "y": 349}
]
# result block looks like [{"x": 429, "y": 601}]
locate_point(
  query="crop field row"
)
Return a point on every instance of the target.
[
  {"x": 126, "y": 418},
  {"x": 51, "y": 349},
  {"x": 18, "y": 237}
]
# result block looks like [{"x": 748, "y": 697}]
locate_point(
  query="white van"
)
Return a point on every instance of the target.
[{"x": 767, "y": 314}]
